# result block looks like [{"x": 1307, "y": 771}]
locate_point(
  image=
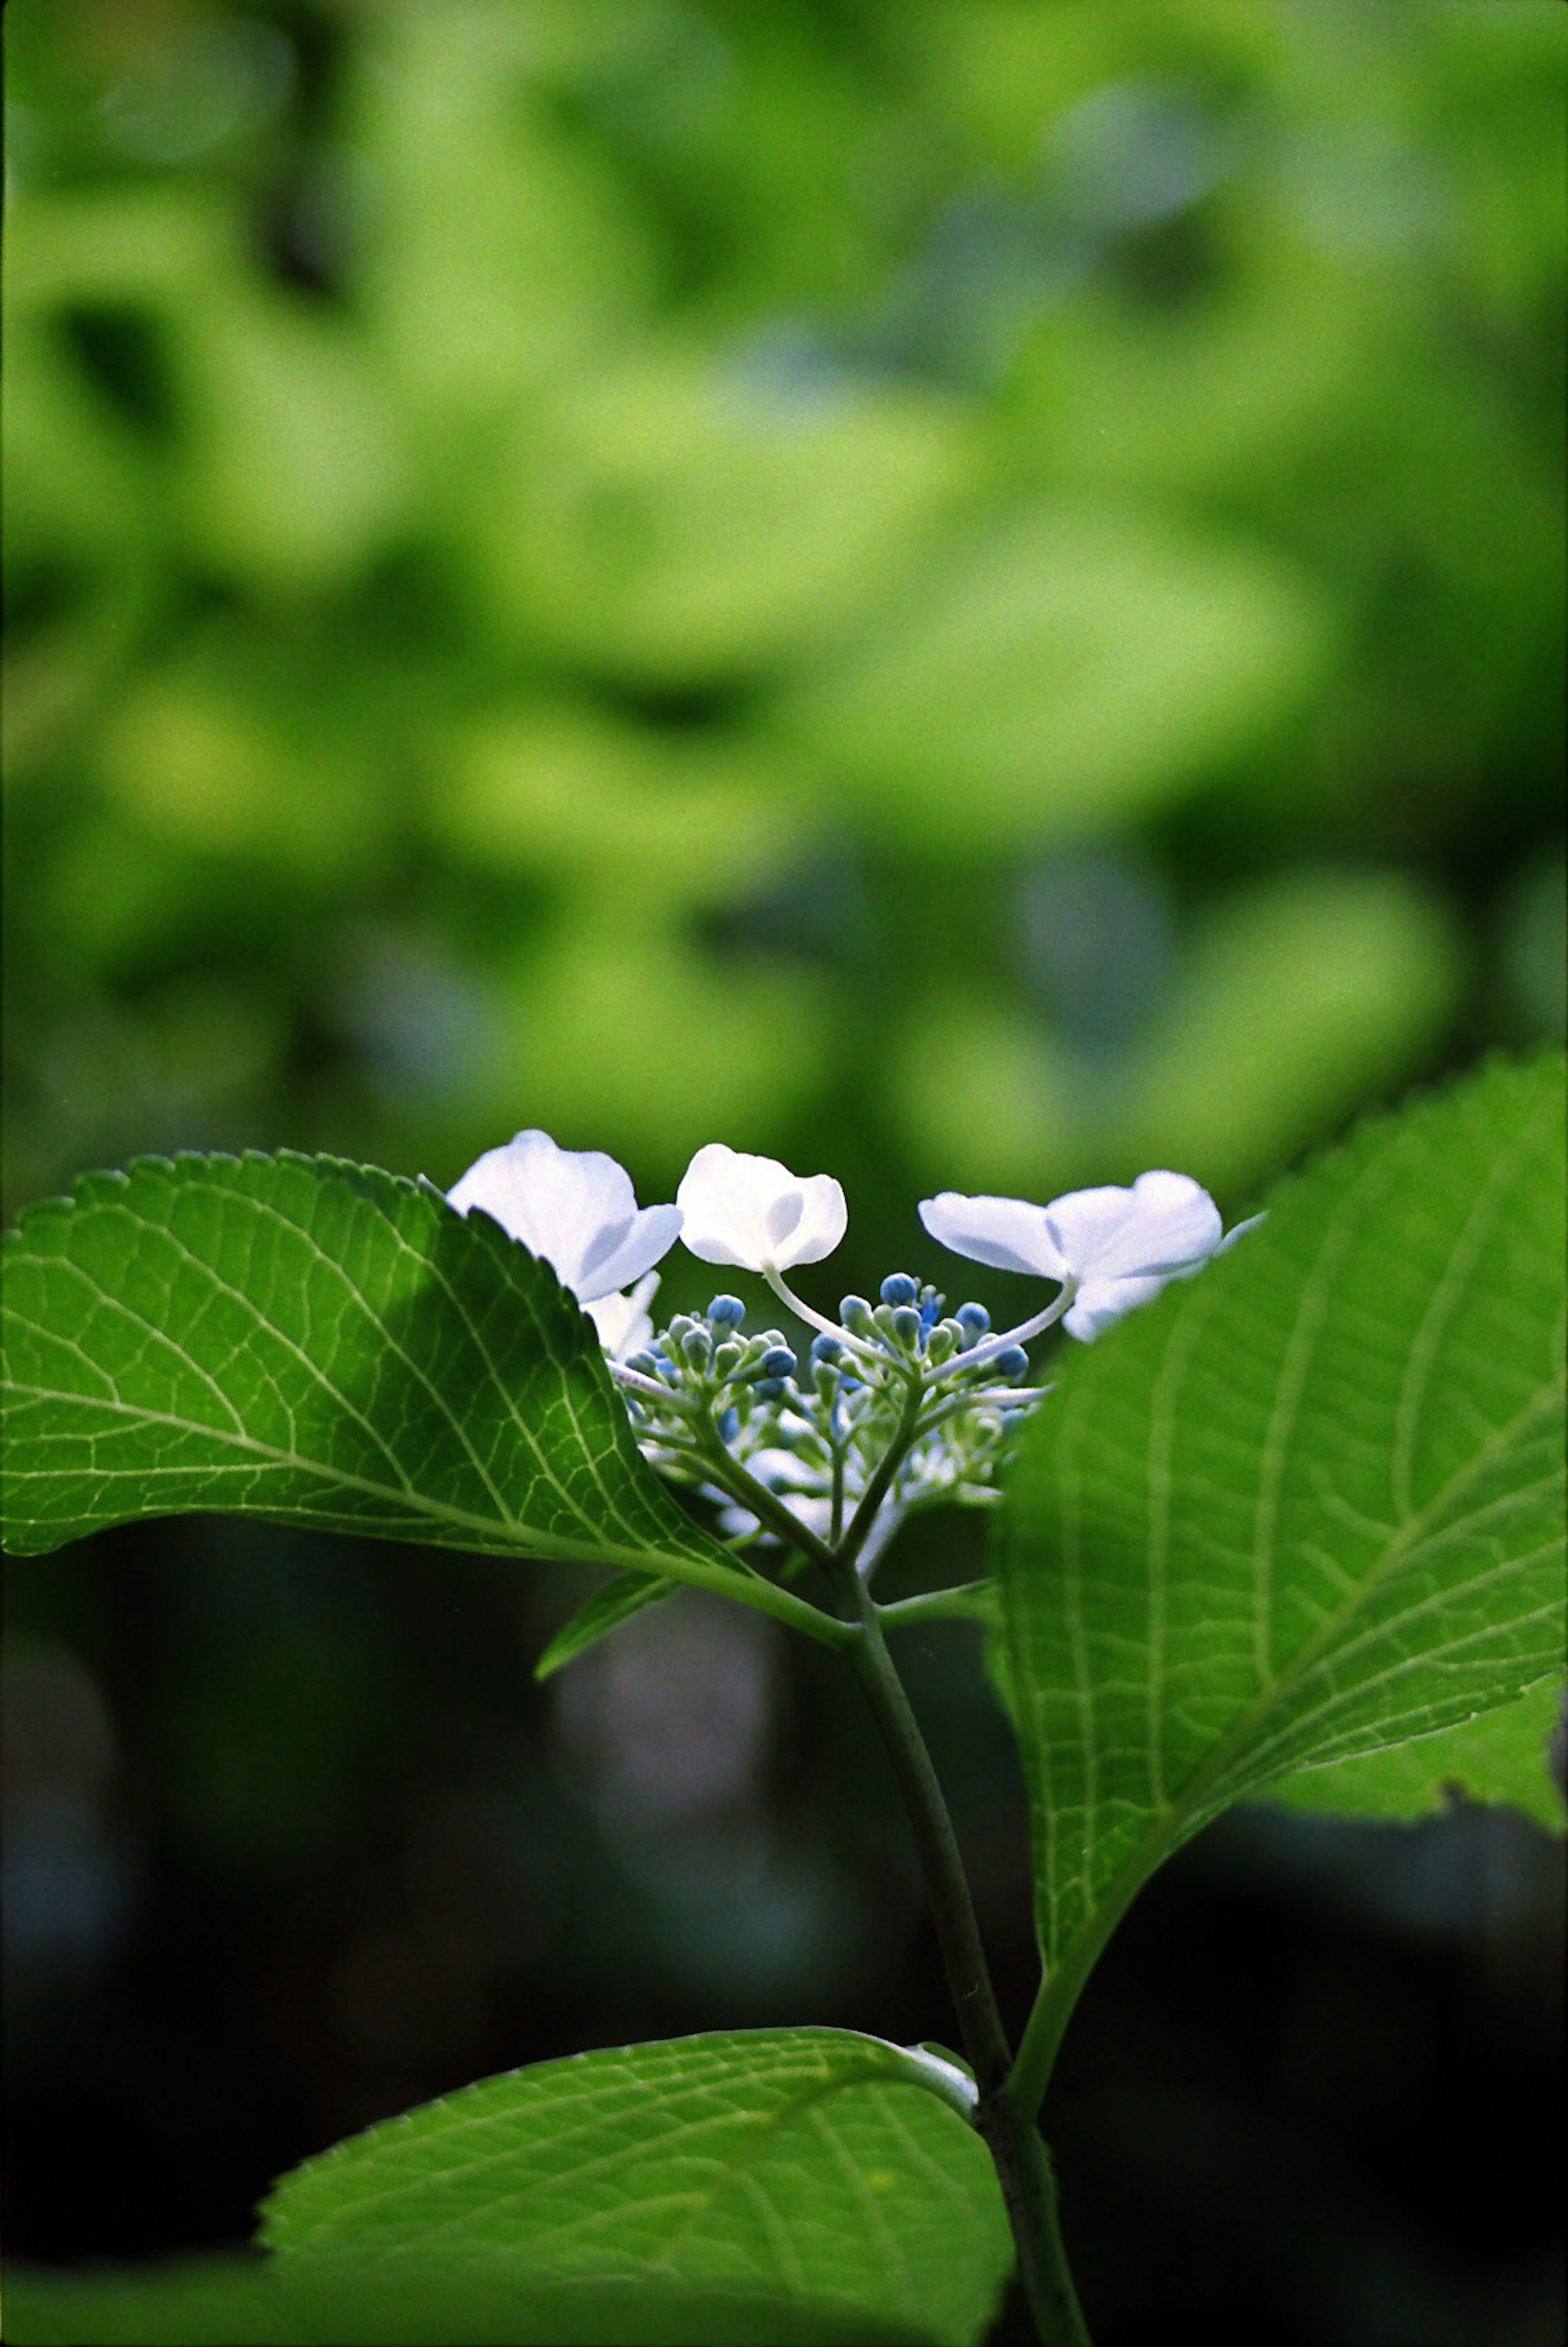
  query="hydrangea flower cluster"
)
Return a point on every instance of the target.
[
  {"x": 896, "y": 1403},
  {"x": 815, "y": 1433}
]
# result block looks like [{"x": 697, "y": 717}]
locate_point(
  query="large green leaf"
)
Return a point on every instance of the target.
[
  {"x": 348, "y": 2302},
  {"x": 321, "y": 1344},
  {"x": 1303, "y": 1507},
  {"x": 811, "y": 2165},
  {"x": 1499, "y": 1758}
]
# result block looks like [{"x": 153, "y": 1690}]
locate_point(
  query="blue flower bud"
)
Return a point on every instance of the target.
[
  {"x": 779, "y": 1361},
  {"x": 907, "y": 1324},
  {"x": 825, "y": 1349},
  {"x": 647, "y": 1364},
  {"x": 768, "y": 1388},
  {"x": 726, "y": 1312},
  {"x": 1010, "y": 1364},
  {"x": 931, "y": 1306},
  {"x": 899, "y": 1288},
  {"x": 975, "y": 1320},
  {"x": 730, "y": 1425}
]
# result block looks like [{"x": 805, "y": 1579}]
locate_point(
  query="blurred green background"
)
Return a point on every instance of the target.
[{"x": 968, "y": 594}]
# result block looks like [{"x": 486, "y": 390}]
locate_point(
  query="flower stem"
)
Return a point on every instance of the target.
[
  {"x": 1022, "y": 2164},
  {"x": 869, "y": 1353},
  {"x": 765, "y": 1505},
  {"x": 881, "y": 1481},
  {"x": 990, "y": 1347}
]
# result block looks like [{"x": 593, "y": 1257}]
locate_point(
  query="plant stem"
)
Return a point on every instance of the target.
[
  {"x": 766, "y": 1505},
  {"x": 1059, "y": 1992},
  {"x": 880, "y": 1483},
  {"x": 971, "y": 1601},
  {"x": 1022, "y": 2164}
]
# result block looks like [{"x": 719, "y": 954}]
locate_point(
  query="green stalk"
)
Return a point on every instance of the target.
[
  {"x": 1022, "y": 2162},
  {"x": 971, "y": 1601},
  {"x": 1052, "y": 2009}
]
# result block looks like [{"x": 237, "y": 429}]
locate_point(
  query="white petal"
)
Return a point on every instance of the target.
[
  {"x": 1100, "y": 1302},
  {"x": 1008, "y": 1234},
  {"x": 1165, "y": 1223},
  {"x": 752, "y": 1211},
  {"x": 574, "y": 1207},
  {"x": 650, "y": 1235},
  {"x": 824, "y": 1219},
  {"x": 622, "y": 1321}
]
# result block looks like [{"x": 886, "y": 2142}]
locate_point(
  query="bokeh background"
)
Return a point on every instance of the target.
[{"x": 966, "y": 592}]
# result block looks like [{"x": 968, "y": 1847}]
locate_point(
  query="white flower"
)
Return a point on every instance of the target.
[
  {"x": 574, "y": 1207},
  {"x": 623, "y": 1321},
  {"x": 1119, "y": 1247},
  {"x": 753, "y": 1212}
]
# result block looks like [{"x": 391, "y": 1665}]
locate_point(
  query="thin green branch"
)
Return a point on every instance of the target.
[
  {"x": 969, "y": 1601},
  {"x": 880, "y": 1483},
  {"x": 1022, "y": 2165}
]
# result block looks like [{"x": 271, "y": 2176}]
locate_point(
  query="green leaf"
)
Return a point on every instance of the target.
[
  {"x": 604, "y": 1611},
  {"x": 345, "y": 2303},
  {"x": 1303, "y": 1507},
  {"x": 319, "y": 1344},
  {"x": 1499, "y": 1756},
  {"x": 814, "y": 2165}
]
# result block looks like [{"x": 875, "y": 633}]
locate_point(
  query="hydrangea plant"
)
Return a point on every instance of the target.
[{"x": 1286, "y": 1520}]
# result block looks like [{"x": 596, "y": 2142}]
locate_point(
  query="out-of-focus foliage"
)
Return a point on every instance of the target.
[{"x": 969, "y": 592}]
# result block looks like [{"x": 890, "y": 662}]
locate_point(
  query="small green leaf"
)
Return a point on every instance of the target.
[
  {"x": 604, "y": 1611},
  {"x": 348, "y": 2303},
  {"x": 1302, "y": 1507},
  {"x": 320, "y": 1344},
  {"x": 1499, "y": 1756},
  {"x": 816, "y": 2166}
]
